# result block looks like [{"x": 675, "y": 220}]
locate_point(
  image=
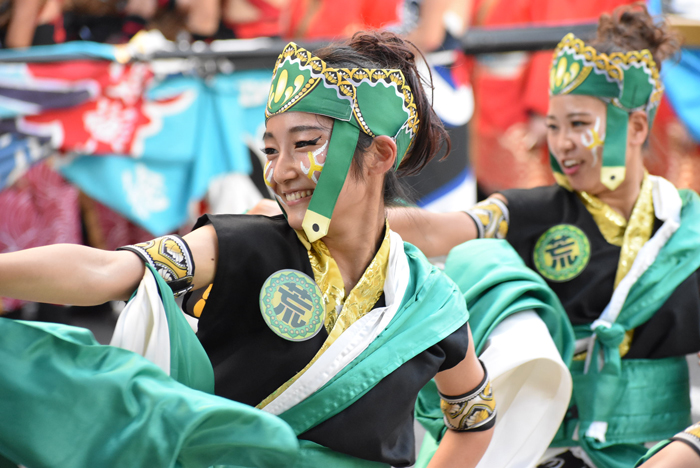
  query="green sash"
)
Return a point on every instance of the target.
[
  {"x": 495, "y": 284},
  {"x": 431, "y": 310},
  {"x": 67, "y": 401},
  {"x": 598, "y": 393}
]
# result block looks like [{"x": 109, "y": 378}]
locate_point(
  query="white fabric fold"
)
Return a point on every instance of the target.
[
  {"x": 142, "y": 326},
  {"x": 532, "y": 386}
]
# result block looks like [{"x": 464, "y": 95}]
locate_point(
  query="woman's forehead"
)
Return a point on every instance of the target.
[{"x": 565, "y": 104}]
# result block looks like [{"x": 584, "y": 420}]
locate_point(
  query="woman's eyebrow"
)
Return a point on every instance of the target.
[
  {"x": 303, "y": 128},
  {"x": 578, "y": 114}
]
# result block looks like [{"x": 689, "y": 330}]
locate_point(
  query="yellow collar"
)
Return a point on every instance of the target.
[
  {"x": 327, "y": 275},
  {"x": 629, "y": 235}
]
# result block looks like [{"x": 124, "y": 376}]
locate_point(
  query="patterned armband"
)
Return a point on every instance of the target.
[
  {"x": 171, "y": 257},
  {"x": 491, "y": 218},
  {"x": 473, "y": 411},
  {"x": 690, "y": 436}
]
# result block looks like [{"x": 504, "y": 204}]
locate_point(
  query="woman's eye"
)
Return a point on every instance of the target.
[
  {"x": 551, "y": 127},
  {"x": 303, "y": 143},
  {"x": 269, "y": 151},
  {"x": 579, "y": 123}
]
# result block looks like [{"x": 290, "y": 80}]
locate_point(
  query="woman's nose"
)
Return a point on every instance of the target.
[
  {"x": 286, "y": 167},
  {"x": 565, "y": 142}
]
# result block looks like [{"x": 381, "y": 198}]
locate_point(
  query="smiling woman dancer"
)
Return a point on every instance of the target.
[
  {"x": 322, "y": 316},
  {"x": 619, "y": 247}
]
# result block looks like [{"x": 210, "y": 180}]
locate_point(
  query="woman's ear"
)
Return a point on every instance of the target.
[
  {"x": 638, "y": 128},
  {"x": 383, "y": 155}
]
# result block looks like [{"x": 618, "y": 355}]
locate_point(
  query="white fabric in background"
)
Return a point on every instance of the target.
[{"x": 532, "y": 386}]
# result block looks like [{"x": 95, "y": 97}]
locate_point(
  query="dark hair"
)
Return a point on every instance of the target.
[
  {"x": 383, "y": 49},
  {"x": 631, "y": 27}
]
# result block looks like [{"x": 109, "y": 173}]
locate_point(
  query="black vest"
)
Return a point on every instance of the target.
[{"x": 250, "y": 361}]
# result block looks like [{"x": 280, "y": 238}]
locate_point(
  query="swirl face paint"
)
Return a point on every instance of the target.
[
  {"x": 593, "y": 140},
  {"x": 316, "y": 161}
]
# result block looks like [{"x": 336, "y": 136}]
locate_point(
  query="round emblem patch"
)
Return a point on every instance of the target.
[
  {"x": 562, "y": 252},
  {"x": 291, "y": 305}
]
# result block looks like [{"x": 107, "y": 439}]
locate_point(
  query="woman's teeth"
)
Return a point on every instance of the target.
[
  {"x": 297, "y": 195},
  {"x": 570, "y": 163}
]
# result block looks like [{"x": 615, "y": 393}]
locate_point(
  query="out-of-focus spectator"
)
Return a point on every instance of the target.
[
  {"x": 435, "y": 24},
  {"x": 31, "y": 22},
  {"x": 254, "y": 18},
  {"x": 333, "y": 19}
]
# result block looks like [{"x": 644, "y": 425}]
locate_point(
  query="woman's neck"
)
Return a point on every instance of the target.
[{"x": 354, "y": 245}]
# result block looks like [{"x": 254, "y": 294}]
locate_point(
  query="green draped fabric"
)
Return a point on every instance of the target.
[
  {"x": 67, "y": 401},
  {"x": 495, "y": 284}
]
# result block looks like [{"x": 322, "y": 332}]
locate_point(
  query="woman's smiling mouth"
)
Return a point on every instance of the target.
[{"x": 291, "y": 197}]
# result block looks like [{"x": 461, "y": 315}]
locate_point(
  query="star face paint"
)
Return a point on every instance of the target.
[
  {"x": 593, "y": 141},
  {"x": 316, "y": 160}
]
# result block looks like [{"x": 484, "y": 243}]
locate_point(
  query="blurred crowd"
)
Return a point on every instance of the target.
[{"x": 506, "y": 134}]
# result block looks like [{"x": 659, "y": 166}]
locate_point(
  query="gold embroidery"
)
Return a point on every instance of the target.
[
  {"x": 612, "y": 65},
  {"x": 171, "y": 257},
  {"x": 470, "y": 411},
  {"x": 611, "y": 223},
  {"x": 345, "y": 80},
  {"x": 358, "y": 303},
  {"x": 491, "y": 218}
]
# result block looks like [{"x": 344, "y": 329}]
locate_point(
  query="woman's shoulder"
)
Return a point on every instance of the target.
[
  {"x": 248, "y": 229},
  {"x": 536, "y": 196}
]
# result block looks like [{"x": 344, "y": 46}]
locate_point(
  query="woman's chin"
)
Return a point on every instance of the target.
[{"x": 295, "y": 219}]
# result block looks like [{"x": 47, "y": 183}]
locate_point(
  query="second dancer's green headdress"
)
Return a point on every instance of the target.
[
  {"x": 627, "y": 82},
  {"x": 374, "y": 101}
]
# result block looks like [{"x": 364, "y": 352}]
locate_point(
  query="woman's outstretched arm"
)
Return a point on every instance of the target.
[
  {"x": 435, "y": 234},
  {"x": 69, "y": 274},
  {"x": 80, "y": 275}
]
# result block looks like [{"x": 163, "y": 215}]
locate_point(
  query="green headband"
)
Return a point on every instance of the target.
[
  {"x": 374, "y": 101},
  {"x": 627, "y": 82}
]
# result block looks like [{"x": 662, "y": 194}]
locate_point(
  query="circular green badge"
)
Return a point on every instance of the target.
[
  {"x": 562, "y": 252},
  {"x": 291, "y": 305}
]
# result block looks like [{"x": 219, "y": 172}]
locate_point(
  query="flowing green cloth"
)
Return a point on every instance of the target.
[
  {"x": 67, "y": 401},
  {"x": 76, "y": 403},
  {"x": 495, "y": 284}
]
